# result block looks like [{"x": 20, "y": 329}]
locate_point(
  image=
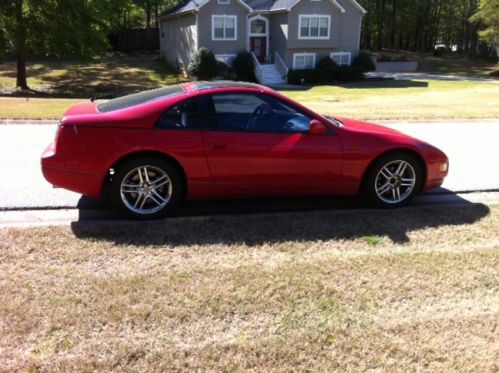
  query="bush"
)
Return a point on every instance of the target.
[
  {"x": 244, "y": 67},
  {"x": 203, "y": 65},
  {"x": 224, "y": 71},
  {"x": 349, "y": 74},
  {"x": 309, "y": 76},
  {"x": 364, "y": 62},
  {"x": 326, "y": 70}
]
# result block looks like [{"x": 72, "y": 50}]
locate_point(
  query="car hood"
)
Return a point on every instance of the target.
[{"x": 369, "y": 127}]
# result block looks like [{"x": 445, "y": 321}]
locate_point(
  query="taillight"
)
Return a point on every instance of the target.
[{"x": 57, "y": 132}]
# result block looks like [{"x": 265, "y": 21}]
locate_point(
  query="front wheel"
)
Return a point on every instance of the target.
[
  {"x": 394, "y": 180},
  {"x": 146, "y": 188}
]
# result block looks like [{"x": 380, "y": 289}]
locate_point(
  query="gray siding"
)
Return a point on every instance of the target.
[
  {"x": 350, "y": 28},
  {"x": 278, "y": 27},
  {"x": 180, "y": 39},
  {"x": 344, "y": 34},
  {"x": 204, "y": 25}
]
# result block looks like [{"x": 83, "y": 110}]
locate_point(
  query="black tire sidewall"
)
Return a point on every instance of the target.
[
  {"x": 125, "y": 168},
  {"x": 370, "y": 182}
]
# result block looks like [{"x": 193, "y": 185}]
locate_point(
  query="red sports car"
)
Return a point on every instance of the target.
[{"x": 200, "y": 140}]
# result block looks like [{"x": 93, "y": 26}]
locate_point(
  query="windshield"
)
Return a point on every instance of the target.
[{"x": 139, "y": 98}]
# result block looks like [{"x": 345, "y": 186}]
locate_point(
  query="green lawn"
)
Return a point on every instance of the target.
[
  {"x": 419, "y": 99},
  {"x": 429, "y": 99},
  {"x": 116, "y": 74},
  {"x": 454, "y": 64}
]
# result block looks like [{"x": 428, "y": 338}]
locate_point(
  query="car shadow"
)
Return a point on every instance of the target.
[{"x": 255, "y": 222}]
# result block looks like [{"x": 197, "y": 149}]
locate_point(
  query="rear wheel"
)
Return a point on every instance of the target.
[
  {"x": 146, "y": 188},
  {"x": 394, "y": 180}
]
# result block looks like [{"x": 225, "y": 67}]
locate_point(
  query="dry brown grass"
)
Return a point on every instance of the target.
[{"x": 412, "y": 289}]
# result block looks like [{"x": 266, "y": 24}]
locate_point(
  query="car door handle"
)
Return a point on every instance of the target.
[{"x": 219, "y": 146}]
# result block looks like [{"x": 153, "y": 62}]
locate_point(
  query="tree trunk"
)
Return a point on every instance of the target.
[
  {"x": 20, "y": 47},
  {"x": 393, "y": 31}
]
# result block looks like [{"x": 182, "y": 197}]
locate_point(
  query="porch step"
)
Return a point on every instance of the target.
[{"x": 270, "y": 75}]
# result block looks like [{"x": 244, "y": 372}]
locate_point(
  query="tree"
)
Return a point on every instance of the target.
[
  {"x": 55, "y": 28},
  {"x": 487, "y": 17}
]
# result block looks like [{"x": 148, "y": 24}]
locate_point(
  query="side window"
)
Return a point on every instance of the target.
[
  {"x": 190, "y": 114},
  {"x": 257, "y": 113}
]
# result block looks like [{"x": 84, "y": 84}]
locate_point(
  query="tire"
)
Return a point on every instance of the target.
[
  {"x": 393, "y": 180},
  {"x": 146, "y": 188}
]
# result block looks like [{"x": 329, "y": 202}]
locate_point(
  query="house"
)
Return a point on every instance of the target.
[{"x": 281, "y": 34}]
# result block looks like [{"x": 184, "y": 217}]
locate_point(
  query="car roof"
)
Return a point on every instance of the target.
[{"x": 217, "y": 84}]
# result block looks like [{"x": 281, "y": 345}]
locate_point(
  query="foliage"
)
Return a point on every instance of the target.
[
  {"x": 349, "y": 74},
  {"x": 244, "y": 67},
  {"x": 420, "y": 24},
  {"x": 326, "y": 69},
  {"x": 364, "y": 62},
  {"x": 325, "y": 73},
  {"x": 203, "y": 65},
  {"x": 303, "y": 76},
  {"x": 488, "y": 18}
]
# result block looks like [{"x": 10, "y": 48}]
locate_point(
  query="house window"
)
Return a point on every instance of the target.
[
  {"x": 224, "y": 1},
  {"x": 314, "y": 27},
  {"x": 227, "y": 59},
  {"x": 341, "y": 58},
  {"x": 303, "y": 61},
  {"x": 258, "y": 27},
  {"x": 223, "y": 27}
]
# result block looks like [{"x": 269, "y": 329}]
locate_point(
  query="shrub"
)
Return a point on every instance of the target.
[
  {"x": 326, "y": 69},
  {"x": 244, "y": 67},
  {"x": 364, "y": 62},
  {"x": 349, "y": 74},
  {"x": 224, "y": 71},
  {"x": 203, "y": 65},
  {"x": 309, "y": 76}
]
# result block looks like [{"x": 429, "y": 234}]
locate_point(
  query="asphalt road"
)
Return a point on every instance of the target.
[{"x": 472, "y": 147}]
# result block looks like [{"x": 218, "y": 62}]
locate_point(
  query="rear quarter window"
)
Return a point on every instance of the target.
[{"x": 139, "y": 98}]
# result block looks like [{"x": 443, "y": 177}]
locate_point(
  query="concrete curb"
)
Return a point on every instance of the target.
[
  {"x": 24, "y": 122},
  {"x": 64, "y": 217}
]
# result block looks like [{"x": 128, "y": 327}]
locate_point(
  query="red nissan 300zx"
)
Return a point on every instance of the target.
[{"x": 201, "y": 140}]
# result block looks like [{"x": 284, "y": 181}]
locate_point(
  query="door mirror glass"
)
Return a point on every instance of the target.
[{"x": 316, "y": 128}]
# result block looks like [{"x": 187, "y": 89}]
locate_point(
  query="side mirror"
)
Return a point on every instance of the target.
[{"x": 316, "y": 128}]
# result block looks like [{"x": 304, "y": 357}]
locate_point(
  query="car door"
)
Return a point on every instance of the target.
[{"x": 258, "y": 141}]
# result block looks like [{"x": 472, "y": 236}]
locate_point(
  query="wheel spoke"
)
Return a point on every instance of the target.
[
  {"x": 397, "y": 193},
  {"x": 144, "y": 201},
  {"x": 138, "y": 200},
  {"x": 383, "y": 189},
  {"x": 386, "y": 173},
  {"x": 159, "y": 182},
  {"x": 139, "y": 172},
  {"x": 146, "y": 174},
  {"x": 155, "y": 196},
  {"x": 394, "y": 194},
  {"x": 401, "y": 168},
  {"x": 130, "y": 188}
]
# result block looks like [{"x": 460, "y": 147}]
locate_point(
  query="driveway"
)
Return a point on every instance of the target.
[
  {"x": 472, "y": 146},
  {"x": 415, "y": 75}
]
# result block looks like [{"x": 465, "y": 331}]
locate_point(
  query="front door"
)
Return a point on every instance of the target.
[{"x": 258, "y": 46}]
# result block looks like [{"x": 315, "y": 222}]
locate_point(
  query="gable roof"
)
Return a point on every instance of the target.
[{"x": 253, "y": 5}]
